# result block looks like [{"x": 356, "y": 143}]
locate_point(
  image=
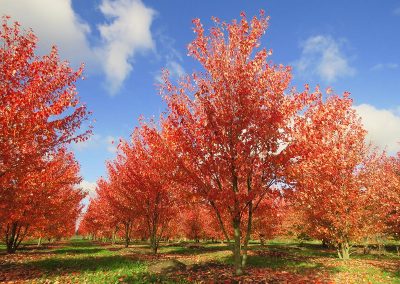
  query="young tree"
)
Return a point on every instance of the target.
[
  {"x": 383, "y": 208},
  {"x": 40, "y": 113},
  {"x": 121, "y": 206},
  {"x": 148, "y": 175},
  {"x": 332, "y": 181},
  {"x": 391, "y": 195},
  {"x": 225, "y": 127},
  {"x": 46, "y": 193},
  {"x": 194, "y": 221}
]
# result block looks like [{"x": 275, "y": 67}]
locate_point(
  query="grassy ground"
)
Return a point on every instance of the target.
[{"x": 82, "y": 261}]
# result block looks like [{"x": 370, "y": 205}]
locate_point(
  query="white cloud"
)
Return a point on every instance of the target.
[
  {"x": 127, "y": 33},
  {"x": 382, "y": 66},
  {"x": 88, "y": 187},
  {"x": 322, "y": 56},
  {"x": 53, "y": 22},
  {"x": 383, "y": 126}
]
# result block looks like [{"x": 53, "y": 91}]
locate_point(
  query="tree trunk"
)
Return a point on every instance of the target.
[
  {"x": 248, "y": 232},
  {"x": 153, "y": 236},
  {"x": 39, "y": 242},
  {"x": 344, "y": 251},
  {"x": 127, "y": 233},
  {"x": 154, "y": 240},
  {"x": 237, "y": 247},
  {"x": 154, "y": 245},
  {"x": 262, "y": 240},
  {"x": 366, "y": 249},
  {"x": 114, "y": 235}
]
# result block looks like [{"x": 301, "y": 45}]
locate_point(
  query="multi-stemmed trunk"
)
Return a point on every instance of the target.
[
  {"x": 156, "y": 225},
  {"x": 15, "y": 233},
  {"x": 240, "y": 259},
  {"x": 239, "y": 251}
]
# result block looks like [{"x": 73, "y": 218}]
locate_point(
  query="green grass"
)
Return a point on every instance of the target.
[{"x": 82, "y": 261}]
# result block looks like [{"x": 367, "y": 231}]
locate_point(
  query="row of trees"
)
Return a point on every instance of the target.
[
  {"x": 40, "y": 114},
  {"x": 239, "y": 155}
]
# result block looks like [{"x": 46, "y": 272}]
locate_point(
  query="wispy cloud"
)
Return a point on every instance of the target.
[
  {"x": 97, "y": 141},
  {"x": 397, "y": 11},
  {"x": 383, "y": 66},
  {"x": 126, "y": 33},
  {"x": 323, "y": 56},
  {"x": 92, "y": 142},
  {"x": 171, "y": 57},
  {"x": 112, "y": 144}
]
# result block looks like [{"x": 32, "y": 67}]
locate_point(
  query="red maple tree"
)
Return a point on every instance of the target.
[
  {"x": 333, "y": 181},
  {"x": 226, "y": 126},
  {"x": 40, "y": 113}
]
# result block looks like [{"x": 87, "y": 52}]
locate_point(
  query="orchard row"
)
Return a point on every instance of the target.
[{"x": 237, "y": 155}]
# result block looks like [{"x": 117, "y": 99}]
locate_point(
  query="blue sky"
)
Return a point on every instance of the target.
[{"x": 346, "y": 45}]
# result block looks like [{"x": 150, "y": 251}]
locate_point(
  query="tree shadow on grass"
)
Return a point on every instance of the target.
[
  {"x": 217, "y": 272},
  {"x": 58, "y": 266},
  {"x": 305, "y": 249},
  {"x": 285, "y": 261},
  {"x": 78, "y": 250},
  {"x": 192, "y": 250},
  {"x": 82, "y": 263}
]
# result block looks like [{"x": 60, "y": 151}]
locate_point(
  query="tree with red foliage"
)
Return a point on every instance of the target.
[
  {"x": 194, "y": 221},
  {"x": 50, "y": 202},
  {"x": 391, "y": 195},
  {"x": 114, "y": 194},
  {"x": 383, "y": 208},
  {"x": 333, "y": 174},
  {"x": 97, "y": 222},
  {"x": 225, "y": 127},
  {"x": 147, "y": 170},
  {"x": 139, "y": 192},
  {"x": 39, "y": 114},
  {"x": 268, "y": 218},
  {"x": 62, "y": 207}
]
